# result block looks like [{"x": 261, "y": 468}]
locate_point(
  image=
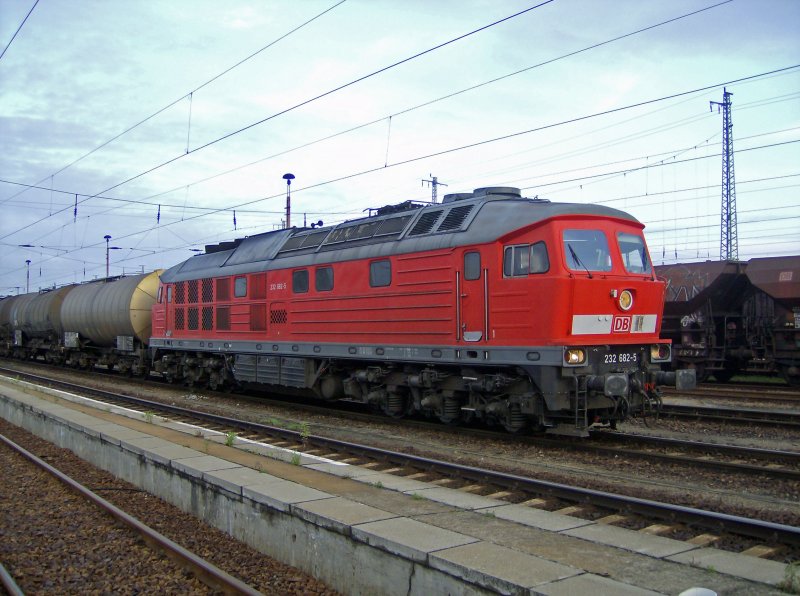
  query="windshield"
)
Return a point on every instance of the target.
[
  {"x": 587, "y": 250},
  {"x": 634, "y": 254}
]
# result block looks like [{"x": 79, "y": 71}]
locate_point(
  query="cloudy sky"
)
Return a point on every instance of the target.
[{"x": 163, "y": 119}]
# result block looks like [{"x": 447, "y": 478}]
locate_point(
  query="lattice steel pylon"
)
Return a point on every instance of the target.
[
  {"x": 728, "y": 240},
  {"x": 434, "y": 182}
]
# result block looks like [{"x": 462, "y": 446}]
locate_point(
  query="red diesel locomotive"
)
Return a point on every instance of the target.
[{"x": 518, "y": 312}]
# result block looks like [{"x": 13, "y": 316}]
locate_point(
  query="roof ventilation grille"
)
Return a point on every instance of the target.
[
  {"x": 455, "y": 218},
  {"x": 425, "y": 223}
]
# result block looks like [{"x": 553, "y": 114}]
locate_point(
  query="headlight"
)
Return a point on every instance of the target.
[
  {"x": 625, "y": 300},
  {"x": 574, "y": 356},
  {"x": 660, "y": 353}
]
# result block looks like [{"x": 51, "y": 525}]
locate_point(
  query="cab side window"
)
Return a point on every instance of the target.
[
  {"x": 540, "y": 262},
  {"x": 525, "y": 259}
]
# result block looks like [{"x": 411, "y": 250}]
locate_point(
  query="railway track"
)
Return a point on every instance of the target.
[
  {"x": 207, "y": 573},
  {"x": 644, "y": 514},
  {"x": 748, "y": 392},
  {"x": 768, "y": 417}
]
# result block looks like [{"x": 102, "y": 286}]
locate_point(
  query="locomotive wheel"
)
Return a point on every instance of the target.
[
  {"x": 451, "y": 412},
  {"x": 514, "y": 421},
  {"x": 395, "y": 404}
]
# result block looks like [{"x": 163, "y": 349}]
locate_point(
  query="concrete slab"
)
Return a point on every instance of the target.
[
  {"x": 233, "y": 479},
  {"x": 537, "y": 518},
  {"x": 744, "y": 566},
  {"x": 654, "y": 546},
  {"x": 281, "y": 495},
  {"x": 454, "y": 498},
  {"x": 498, "y": 568},
  {"x": 390, "y": 482},
  {"x": 279, "y": 453},
  {"x": 339, "y": 514},
  {"x": 196, "y": 466},
  {"x": 143, "y": 444},
  {"x": 595, "y": 585},
  {"x": 342, "y": 470},
  {"x": 116, "y": 433},
  {"x": 408, "y": 538},
  {"x": 165, "y": 455},
  {"x": 189, "y": 429}
]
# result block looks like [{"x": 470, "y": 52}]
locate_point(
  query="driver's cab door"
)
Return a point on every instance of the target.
[{"x": 472, "y": 299}]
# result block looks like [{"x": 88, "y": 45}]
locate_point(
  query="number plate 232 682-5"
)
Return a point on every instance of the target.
[{"x": 621, "y": 358}]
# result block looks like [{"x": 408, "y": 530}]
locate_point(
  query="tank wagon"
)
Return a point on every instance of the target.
[
  {"x": 107, "y": 322},
  {"x": 731, "y": 317},
  {"x": 519, "y": 312}
]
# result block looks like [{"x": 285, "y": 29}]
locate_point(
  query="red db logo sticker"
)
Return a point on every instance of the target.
[{"x": 621, "y": 325}]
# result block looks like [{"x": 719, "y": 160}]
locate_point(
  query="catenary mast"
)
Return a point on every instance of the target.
[{"x": 729, "y": 241}]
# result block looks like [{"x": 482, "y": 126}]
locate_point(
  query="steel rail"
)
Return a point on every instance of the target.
[
  {"x": 209, "y": 574},
  {"x": 714, "y": 521},
  {"x": 9, "y": 584},
  {"x": 764, "y": 417}
]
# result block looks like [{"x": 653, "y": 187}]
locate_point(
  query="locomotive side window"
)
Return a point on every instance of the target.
[
  {"x": 240, "y": 287},
  {"x": 169, "y": 294},
  {"x": 587, "y": 250},
  {"x": 323, "y": 279},
  {"x": 160, "y": 294},
  {"x": 634, "y": 254},
  {"x": 525, "y": 259},
  {"x": 516, "y": 260},
  {"x": 300, "y": 281},
  {"x": 540, "y": 261},
  {"x": 472, "y": 266},
  {"x": 380, "y": 273}
]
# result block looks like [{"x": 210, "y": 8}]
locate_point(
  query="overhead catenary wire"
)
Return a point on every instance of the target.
[
  {"x": 603, "y": 175},
  {"x": 303, "y": 103},
  {"x": 388, "y": 118},
  {"x": 190, "y": 94},
  {"x": 470, "y": 145},
  {"x": 13, "y": 37}
]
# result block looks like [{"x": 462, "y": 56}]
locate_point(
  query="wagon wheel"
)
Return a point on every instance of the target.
[
  {"x": 725, "y": 375},
  {"x": 700, "y": 371},
  {"x": 791, "y": 375}
]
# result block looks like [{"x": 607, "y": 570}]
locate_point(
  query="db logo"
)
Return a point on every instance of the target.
[{"x": 621, "y": 325}]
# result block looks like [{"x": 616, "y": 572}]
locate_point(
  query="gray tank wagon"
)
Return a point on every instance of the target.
[
  {"x": 106, "y": 322},
  {"x": 30, "y": 324},
  {"x": 102, "y": 312},
  {"x": 5, "y": 313}
]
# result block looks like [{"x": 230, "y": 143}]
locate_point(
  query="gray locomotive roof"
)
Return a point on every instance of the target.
[{"x": 462, "y": 219}]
